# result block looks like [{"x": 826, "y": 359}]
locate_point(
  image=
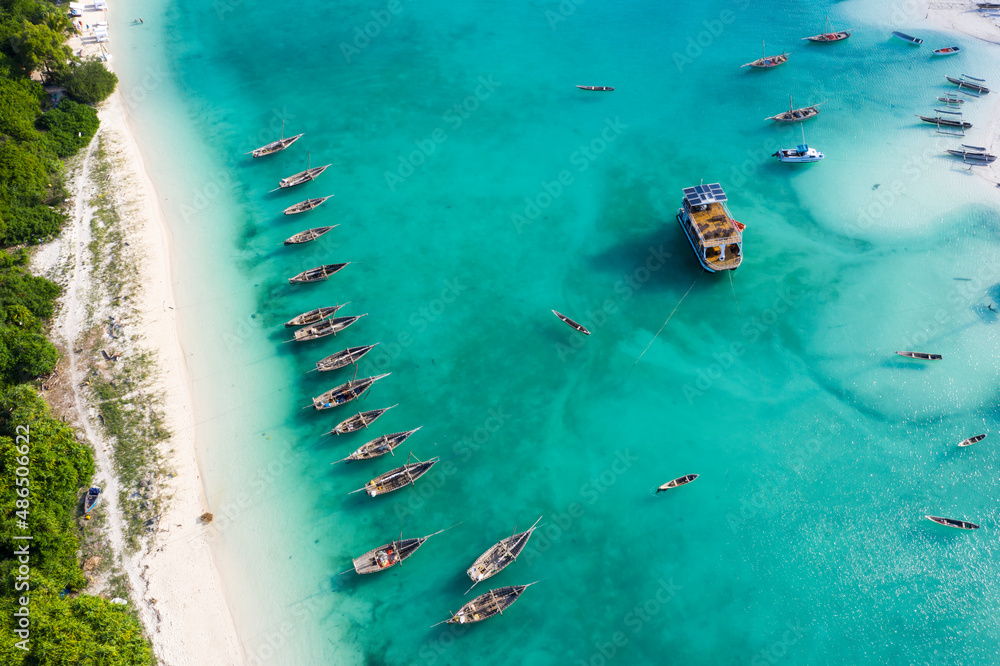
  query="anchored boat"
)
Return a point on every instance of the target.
[
  {"x": 596, "y": 88},
  {"x": 966, "y": 82},
  {"x": 325, "y": 328},
  {"x": 307, "y": 205},
  {"x": 358, "y": 421},
  {"x": 308, "y": 235},
  {"x": 766, "y": 61},
  {"x": 485, "y": 606},
  {"x": 313, "y": 316},
  {"x": 972, "y": 440},
  {"x": 319, "y": 273},
  {"x": 902, "y": 36},
  {"x": 397, "y": 478},
  {"x": 388, "y": 555},
  {"x": 679, "y": 481},
  {"x": 342, "y": 358},
  {"x": 345, "y": 393},
  {"x": 500, "y": 555},
  {"x": 379, "y": 446},
  {"x": 277, "y": 146},
  {"x": 794, "y": 115},
  {"x": 715, "y": 237},
  {"x": 801, "y": 154},
  {"x": 947, "y": 51},
  {"x": 921, "y": 356},
  {"x": 572, "y": 324},
  {"x": 828, "y": 36},
  {"x": 953, "y": 522}
]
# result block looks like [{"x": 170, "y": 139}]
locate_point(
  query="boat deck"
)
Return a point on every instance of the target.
[{"x": 713, "y": 225}]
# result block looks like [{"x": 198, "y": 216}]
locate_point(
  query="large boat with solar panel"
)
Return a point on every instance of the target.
[{"x": 715, "y": 237}]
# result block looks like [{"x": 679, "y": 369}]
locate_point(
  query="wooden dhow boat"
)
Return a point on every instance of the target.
[
  {"x": 90, "y": 501},
  {"x": 766, "y": 61},
  {"x": 500, "y": 555},
  {"x": 397, "y": 478},
  {"x": 308, "y": 235},
  {"x": 485, "y": 606},
  {"x": 715, "y": 237},
  {"x": 972, "y": 440},
  {"x": 794, "y": 115},
  {"x": 921, "y": 356},
  {"x": 973, "y": 154},
  {"x": 343, "y": 358},
  {"x": 359, "y": 421},
  {"x": 966, "y": 82},
  {"x": 319, "y": 273},
  {"x": 379, "y": 446},
  {"x": 902, "y": 36},
  {"x": 572, "y": 324},
  {"x": 676, "y": 483},
  {"x": 276, "y": 146},
  {"x": 389, "y": 555},
  {"x": 346, "y": 392},
  {"x": 828, "y": 35},
  {"x": 310, "y": 173},
  {"x": 953, "y": 522},
  {"x": 304, "y": 206},
  {"x": 313, "y": 316},
  {"x": 326, "y": 327},
  {"x": 596, "y": 88}
]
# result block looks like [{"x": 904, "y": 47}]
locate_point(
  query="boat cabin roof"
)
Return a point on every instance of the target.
[{"x": 711, "y": 219}]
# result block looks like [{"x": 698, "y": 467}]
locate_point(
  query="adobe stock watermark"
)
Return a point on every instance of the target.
[
  {"x": 714, "y": 29},
  {"x": 363, "y": 35},
  {"x": 137, "y": 94},
  {"x": 634, "y": 620},
  {"x": 778, "y": 648},
  {"x": 563, "y": 11},
  {"x": 454, "y": 116}
]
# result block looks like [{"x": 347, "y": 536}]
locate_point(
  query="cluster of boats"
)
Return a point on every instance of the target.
[{"x": 951, "y": 122}]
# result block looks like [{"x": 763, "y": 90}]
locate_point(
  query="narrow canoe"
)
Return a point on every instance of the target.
[
  {"x": 679, "y": 481},
  {"x": 319, "y": 273},
  {"x": 485, "y": 606},
  {"x": 304, "y": 206},
  {"x": 922, "y": 356},
  {"x": 571, "y": 323},
  {"x": 953, "y": 522},
  {"x": 972, "y": 440}
]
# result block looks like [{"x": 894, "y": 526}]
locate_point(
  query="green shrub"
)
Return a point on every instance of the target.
[
  {"x": 71, "y": 126},
  {"x": 89, "y": 82}
]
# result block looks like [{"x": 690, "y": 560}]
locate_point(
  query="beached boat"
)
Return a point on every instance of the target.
[
  {"x": 715, "y": 237},
  {"x": 988, "y": 5},
  {"x": 326, "y": 327},
  {"x": 346, "y": 392},
  {"x": 571, "y": 323},
  {"x": 946, "y": 51},
  {"x": 308, "y": 235},
  {"x": 276, "y": 146},
  {"x": 975, "y": 155},
  {"x": 953, "y": 522},
  {"x": 950, "y": 100},
  {"x": 358, "y": 421},
  {"x": 766, "y": 61},
  {"x": 304, "y": 206},
  {"x": 966, "y": 82},
  {"x": 676, "y": 483},
  {"x": 828, "y": 36},
  {"x": 379, "y": 446},
  {"x": 342, "y": 358},
  {"x": 794, "y": 115},
  {"x": 503, "y": 553},
  {"x": 388, "y": 555},
  {"x": 596, "y": 88},
  {"x": 397, "y": 478},
  {"x": 972, "y": 440},
  {"x": 90, "y": 501},
  {"x": 313, "y": 316},
  {"x": 902, "y": 36},
  {"x": 945, "y": 121},
  {"x": 485, "y": 606},
  {"x": 922, "y": 356},
  {"x": 319, "y": 273}
]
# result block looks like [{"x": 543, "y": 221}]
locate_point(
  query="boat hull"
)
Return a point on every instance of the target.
[{"x": 697, "y": 253}]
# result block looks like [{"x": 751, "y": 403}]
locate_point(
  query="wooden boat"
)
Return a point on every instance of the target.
[
  {"x": 397, "y": 478},
  {"x": 988, "y": 5},
  {"x": 90, "y": 501},
  {"x": 358, "y": 421},
  {"x": 951, "y": 101},
  {"x": 276, "y": 146},
  {"x": 767, "y": 62},
  {"x": 946, "y": 122},
  {"x": 952, "y": 522},
  {"x": 388, "y": 555},
  {"x": 828, "y": 36},
  {"x": 946, "y": 51},
  {"x": 794, "y": 115},
  {"x": 715, "y": 237},
  {"x": 676, "y": 483},
  {"x": 485, "y": 606},
  {"x": 302, "y": 176},
  {"x": 308, "y": 235},
  {"x": 325, "y": 328},
  {"x": 316, "y": 274},
  {"x": 346, "y": 392},
  {"x": 571, "y": 323},
  {"x": 596, "y": 88},
  {"x": 972, "y": 440},
  {"x": 342, "y": 358},
  {"x": 304, "y": 206},
  {"x": 379, "y": 446},
  {"x": 313, "y": 316},
  {"x": 902, "y": 36},
  {"x": 922, "y": 356},
  {"x": 975, "y": 155},
  {"x": 966, "y": 82},
  {"x": 503, "y": 553}
]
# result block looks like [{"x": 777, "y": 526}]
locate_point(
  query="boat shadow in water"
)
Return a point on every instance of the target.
[{"x": 660, "y": 260}]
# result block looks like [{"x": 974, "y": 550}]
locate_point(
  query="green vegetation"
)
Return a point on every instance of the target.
[
  {"x": 71, "y": 126},
  {"x": 89, "y": 82}
]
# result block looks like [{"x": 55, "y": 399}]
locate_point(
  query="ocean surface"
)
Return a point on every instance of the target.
[{"x": 475, "y": 190}]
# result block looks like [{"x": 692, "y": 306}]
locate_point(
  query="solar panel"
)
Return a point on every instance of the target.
[{"x": 704, "y": 194}]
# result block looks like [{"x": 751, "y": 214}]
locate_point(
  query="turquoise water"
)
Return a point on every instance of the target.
[{"x": 476, "y": 189}]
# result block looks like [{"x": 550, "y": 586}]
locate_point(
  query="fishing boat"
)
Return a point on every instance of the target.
[
  {"x": 308, "y": 235},
  {"x": 973, "y": 154},
  {"x": 90, "y": 500},
  {"x": 794, "y": 115},
  {"x": 326, "y": 327},
  {"x": 310, "y": 173},
  {"x": 596, "y": 88},
  {"x": 379, "y": 446},
  {"x": 828, "y": 36},
  {"x": 676, "y": 483},
  {"x": 766, "y": 61},
  {"x": 923, "y": 356},
  {"x": 313, "y": 316},
  {"x": 946, "y": 122},
  {"x": 342, "y": 358},
  {"x": 397, "y": 478},
  {"x": 966, "y": 82},
  {"x": 801, "y": 154},
  {"x": 358, "y": 421},
  {"x": 346, "y": 392},
  {"x": 485, "y": 606},
  {"x": 715, "y": 237},
  {"x": 972, "y": 440},
  {"x": 316, "y": 274},
  {"x": 388, "y": 555},
  {"x": 902, "y": 36},
  {"x": 988, "y": 5},
  {"x": 952, "y": 522},
  {"x": 571, "y": 323},
  {"x": 503, "y": 553},
  {"x": 950, "y": 100},
  {"x": 307, "y": 205},
  {"x": 946, "y": 51},
  {"x": 276, "y": 146}
]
